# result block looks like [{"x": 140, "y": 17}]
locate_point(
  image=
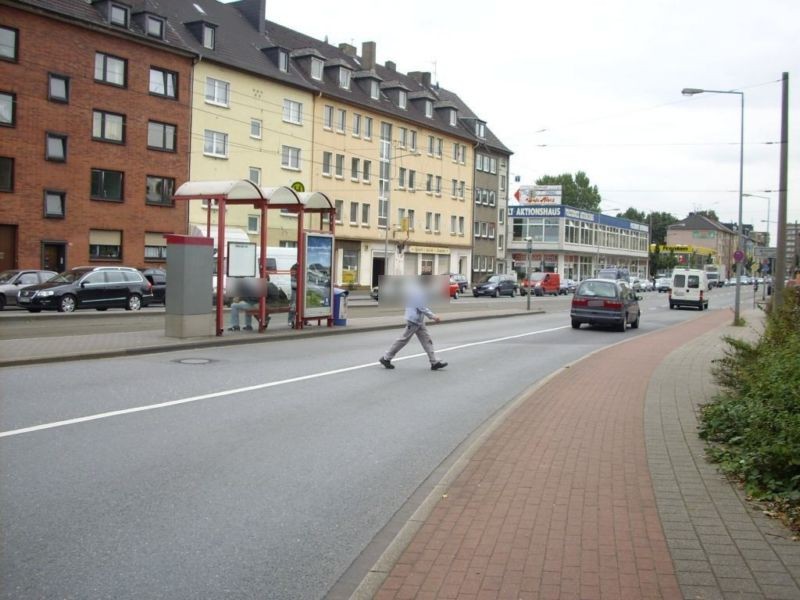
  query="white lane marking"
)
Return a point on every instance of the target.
[{"x": 251, "y": 388}]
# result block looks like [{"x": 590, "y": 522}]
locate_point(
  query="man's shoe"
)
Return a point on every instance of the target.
[
  {"x": 386, "y": 362},
  {"x": 234, "y": 328},
  {"x": 438, "y": 365},
  {"x": 248, "y": 328}
]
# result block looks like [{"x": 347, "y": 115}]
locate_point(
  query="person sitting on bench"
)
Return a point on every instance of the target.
[{"x": 247, "y": 296}]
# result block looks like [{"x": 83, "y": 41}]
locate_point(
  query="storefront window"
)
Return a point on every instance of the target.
[
  {"x": 551, "y": 230},
  {"x": 349, "y": 266},
  {"x": 427, "y": 264}
]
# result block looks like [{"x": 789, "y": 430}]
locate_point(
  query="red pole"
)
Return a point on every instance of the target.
[
  {"x": 262, "y": 301},
  {"x": 220, "y": 262},
  {"x": 299, "y": 313}
]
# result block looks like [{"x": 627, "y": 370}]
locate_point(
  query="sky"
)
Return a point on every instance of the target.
[{"x": 574, "y": 85}]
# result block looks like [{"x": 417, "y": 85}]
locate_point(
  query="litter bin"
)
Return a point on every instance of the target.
[{"x": 340, "y": 306}]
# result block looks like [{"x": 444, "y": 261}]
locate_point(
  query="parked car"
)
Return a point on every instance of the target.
[
  {"x": 614, "y": 273},
  {"x": 663, "y": 284},
  {"x": 542, "y": 284},
  {"x": 605, "y": 302},
  {"x": 461, "y": 280},
  {"x": 636, "y": 284},
  {"x": 689, "y": 288},
  {"x": 89, "y": 287},
  {"x": 567, "y": 286},
  {"x": 455, "y": 288},
  {"x": 158, "y": 279},
  {"x": 14, "y": 280},
  {"x": 496, "y": 285},
  {"x": 648, "y": 285}
]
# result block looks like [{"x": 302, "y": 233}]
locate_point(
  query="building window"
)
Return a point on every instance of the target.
[
  {"x": 429, "y": 183},
  {"x": 155, "y": 248},
  {"x": 6, "y": 174},
  {"x": 367, "y": 128},
  {"x": 9, "y": 44},
  {"x": 428, "y": 221},
  {"x": 477, "y": 195},
  {"x": 215, "y": 143},
  {"x": 341, "y": 120},
  {"x": 163, "y": 83},
  {"x": 412, "y": 180},
  {"x": 500, "y": 242},
  {"x": 339, "y": 209},
  {"x": 367, "y": 174},
  {"x": 107, "y": 185},
  {"x": 438, "y": 188},
  {"x": 401, "y": 219},
  {"x": 354, "y": 213},
  {"x": 491, "y": 231},
  {"x": 58, "y": 88},
  {"x": 374, "y": 90},
  {"x": 480, "y": 129},
  {"x": 411, "y": 219},
  {"x": 502, "y": 183},
  {"x": 355, "y": 163},
  {"x": 453, "y": 225},
  {"x": 290, "y": 158},
  {"x": 118, "y": 15},
  {"x": 110, "y": 69},
  {"x": 316, "y": 68},
  {"x": 105, "y": 245},
  {"x": 402, "y": 99},
  {"x": 344, "y": 78},
  {"x": 402, "y": 136},
  {"x": 453, "y": 117},
  {"x": 155, "y": 27},
  {"x": 461, "y": 189},
  {"x": 476, "y": 229},
  {"x": 429, "y": 109},
  {"x": 460, "y": 225},
  {"x": 209, "y": 36},
  {"x": 326, "y": 163},
  {"x": 356, "y": 124},
  {"x": 327, "y": 122},
  {"x": 8, "y": 109},
  {"x": 365, "y": 215},
  {"x": 161, "y": 136},
  {"x": 283, "y": 61},
  {"x": 55, "y": 147},
  {"x": 401, "y": 178},
  {"x": 437, "y": 223},
  {"x": 255, "y": 129},
  {"x": 500, "y": 217},
  {"x": 340, "y": 166},
  {"x": 412, "y": 141},
  {"x": 292, "y": 112},
  {"x": 492, "y": 199},
  {"x": 493, "y": 166},
  {"x": 217, "y": 91},
  {"x": 439, "y": 147},
  {"x": 430, "y": 145},
  {"x": 252, "y": 223},
  {"x": 254, "y": 175},
  {"x": 54, "y": 204},
  {"x": 159, "y": 190},
  {"x": 454, "y": 191}
]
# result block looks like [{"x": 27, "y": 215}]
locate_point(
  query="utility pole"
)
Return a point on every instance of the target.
[{"x": 780, "y": 259}]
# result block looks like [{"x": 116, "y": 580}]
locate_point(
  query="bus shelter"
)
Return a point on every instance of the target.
[{"x": 315, "y": 227}]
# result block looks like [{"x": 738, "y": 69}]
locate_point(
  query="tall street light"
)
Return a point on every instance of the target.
[
  {"x": 529, "y": 242},
  {"x": 769, "y": 207},
  {"x": 740, "y": 244}
]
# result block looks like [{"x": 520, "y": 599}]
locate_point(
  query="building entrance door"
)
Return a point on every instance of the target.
[
  {"x": 8, "y": 245},
  {"x": 378, "y": 269},
  {"x": 54, "y": 256}
]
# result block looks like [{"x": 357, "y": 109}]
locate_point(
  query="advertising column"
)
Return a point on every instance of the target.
[{"x": 317, "y": 296}]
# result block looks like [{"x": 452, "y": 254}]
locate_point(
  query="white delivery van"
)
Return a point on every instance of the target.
[{"x": 689, "y": 288}]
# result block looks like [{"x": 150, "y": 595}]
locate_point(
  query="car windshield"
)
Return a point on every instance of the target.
[
  {"x": 6, "y": 276},
  {"x": 492, "y": 279},
  {"x": 599, "y": 289},
  {"x": 69, "y": 276}
]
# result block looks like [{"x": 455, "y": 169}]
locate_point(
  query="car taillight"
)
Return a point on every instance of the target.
[
  {"x": 612, "y": 304},
  {"x": 580, "y": 302}
]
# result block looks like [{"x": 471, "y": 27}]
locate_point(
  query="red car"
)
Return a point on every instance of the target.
[{"x": 455, "y": 289}]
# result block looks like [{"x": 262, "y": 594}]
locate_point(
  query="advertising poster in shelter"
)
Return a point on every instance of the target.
[{"x": 318, "y": 275}]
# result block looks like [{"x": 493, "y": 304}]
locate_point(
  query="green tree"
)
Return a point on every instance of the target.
[
  {"x": 633, "y": 215},
  {"x": 659, "y": 221},
  {"x": 709, "y": 214},
  {"x": 576, "y": 191}
]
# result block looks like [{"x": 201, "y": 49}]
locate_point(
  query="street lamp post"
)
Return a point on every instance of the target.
[
  {"x": 529, "y": 241},
  {"x": 740, "y": 232}
]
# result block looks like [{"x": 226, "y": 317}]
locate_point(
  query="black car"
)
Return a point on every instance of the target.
[
  {"x": 158, "y": 279},
  {"x": 14, "y": 280},
  {"x": 89, "y": 287},
  {"x": 496, "y": 285},
  {"x": 605, "y": 302}
]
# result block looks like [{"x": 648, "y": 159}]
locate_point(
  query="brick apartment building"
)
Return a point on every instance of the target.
[{"x": 94, "y": 133}]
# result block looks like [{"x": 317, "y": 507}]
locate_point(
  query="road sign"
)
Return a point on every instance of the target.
[
  {"x": 738, "y": 256},
  {"x": 761, "y": 252}
]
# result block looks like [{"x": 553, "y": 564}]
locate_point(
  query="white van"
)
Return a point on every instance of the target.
[{"x": 689, "y": 288}]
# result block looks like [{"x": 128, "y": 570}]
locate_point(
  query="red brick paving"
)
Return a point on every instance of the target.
[{"x": 558, "y": 502}]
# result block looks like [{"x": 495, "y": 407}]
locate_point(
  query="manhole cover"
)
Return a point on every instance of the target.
[{"x": 194, "y": 361}]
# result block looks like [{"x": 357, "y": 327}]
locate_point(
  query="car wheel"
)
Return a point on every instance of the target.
[
  {"x": 34, "y": 310},
  {"x": 66, "y": 303},
  {"x": 576, "y": 324},
  {"x": 101, "y": 309},
  {"x": 513, "y": 292},
  {"x": 475, "y": 295},
  {"x": 2, "y": 302},
  {"x": 624, "y": 325},
  {"x": 134, "y": 302},
  {"x": 635, "y": 324},
  {"x": 671, "y": 305}
]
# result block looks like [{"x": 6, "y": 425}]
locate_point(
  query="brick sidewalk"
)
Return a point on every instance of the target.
[{"x": 558, "y": 502}]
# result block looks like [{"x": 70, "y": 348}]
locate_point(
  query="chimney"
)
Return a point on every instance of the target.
[
  {"x": 368, "y": 50},
  {"x": 391, "y": 65},
  {"x": 423, "y": 77},
  {"x": 254, "y": 12},
  {"x": 348, "y": 49}
]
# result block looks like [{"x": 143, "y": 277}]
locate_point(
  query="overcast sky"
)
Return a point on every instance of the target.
[{"x": 574, "y": 85}]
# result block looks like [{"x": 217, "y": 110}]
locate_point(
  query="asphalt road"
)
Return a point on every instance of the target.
[{"x": 249, "y": 472}]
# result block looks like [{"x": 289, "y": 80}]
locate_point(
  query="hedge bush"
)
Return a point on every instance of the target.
[{"x": 753, "y": 424}]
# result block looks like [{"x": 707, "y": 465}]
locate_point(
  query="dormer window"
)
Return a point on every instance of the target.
[
  {"x": 118, "y": 15},
  {"x": 209, "y": 36},
  {"x": 155, "y": 27},
  {"x": 283, "y": 61},
  {"x": 316, "y": 68},
  {"x": 402, "y": 99},
  {"x": 429, "y": 109},
  {"x": 453, "y": 117},
  {"x": 344, "y": 78},
  {"x": 480, "y": 129},
  {"x": 374, "y": 90}
]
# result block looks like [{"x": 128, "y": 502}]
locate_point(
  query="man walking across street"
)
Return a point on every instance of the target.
[{"x": 416, "y": 311}]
